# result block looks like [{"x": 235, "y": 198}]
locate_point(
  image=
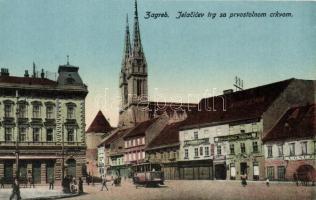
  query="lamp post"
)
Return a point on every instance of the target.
[{"x": 17, "y": 137}]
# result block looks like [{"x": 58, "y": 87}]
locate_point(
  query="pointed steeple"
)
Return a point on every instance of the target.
[
  {"x": 137, "y": 45},
  {"x": 127, "y": 46}
]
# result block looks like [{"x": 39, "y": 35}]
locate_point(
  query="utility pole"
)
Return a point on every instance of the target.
[{"x": 17, "y": 137}]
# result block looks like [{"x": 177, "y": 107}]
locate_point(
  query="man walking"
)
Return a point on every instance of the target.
[
  {"x": 15, "y": 190},
  {"x": 104, "y": 184}
]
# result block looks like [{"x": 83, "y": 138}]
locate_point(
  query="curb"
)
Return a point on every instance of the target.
[{"x": 53, "y": 197}]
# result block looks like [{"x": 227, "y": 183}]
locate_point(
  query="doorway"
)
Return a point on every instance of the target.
[
  {"x": 220, "y": 172},
  {"x": 243, "y": 168}
]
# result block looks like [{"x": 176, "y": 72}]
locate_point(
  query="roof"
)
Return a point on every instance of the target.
[
  {"x": 158, "y": 108},
  {"x": 240, "y": 105},
  {"x": 27, "y": 80},
  {"x": 116, "y": 135},
  {"x": 168, "y": 136},
  {"x": 297, "y": 122},
  {"x": 99, "y": 124},
  {"x": 140, "y": 128}
]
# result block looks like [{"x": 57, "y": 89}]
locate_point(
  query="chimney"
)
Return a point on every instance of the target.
[
  {"x": 229, "y": 91},
  {"x": 5, "y": 72},
  {"x": 42, "y": 74},
  {"x": 26, "y": 74}
]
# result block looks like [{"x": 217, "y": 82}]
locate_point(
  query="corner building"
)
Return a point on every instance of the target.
[{"x": 36, "y": 112}]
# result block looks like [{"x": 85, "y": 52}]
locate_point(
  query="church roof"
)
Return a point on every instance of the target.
[
  {"x": 99, "y": 124},
  {"x": 240, "y": 105},
  {"x": 140, "y": 128},
  {"x": 168, "y": 136},
  {"x": 297, "y": 122}
]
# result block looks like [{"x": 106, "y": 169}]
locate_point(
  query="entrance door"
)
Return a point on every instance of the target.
[
  {"x": 49, "y": 171},
  {"x": 36, "y": 172},
  {"x": 243, "y": 168},
  {"x": 71, "y": 167},
  {"x": 8, "y": 172},
  {"x": 220, "y": 172}
]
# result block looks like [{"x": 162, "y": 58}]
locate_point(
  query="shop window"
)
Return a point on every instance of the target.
[{"x": 281, "y": 173}]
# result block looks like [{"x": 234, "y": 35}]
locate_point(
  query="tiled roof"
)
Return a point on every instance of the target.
[
  {"x": 168, "y": 136},
  {"x": 158, "y": 108},
  {"x": 99, "y": 124},
  {"x": 240, "y": 105},
  {"x": 297, "y": 122},
  {"x": 115, "y": 136},
  {"x": 26, "y": 80},
  {"x": 140, "y": 128}
]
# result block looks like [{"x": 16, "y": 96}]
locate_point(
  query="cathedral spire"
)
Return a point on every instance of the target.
[
  {"x": 127, "y": 45},
  {"x": 137, "y": 47}
]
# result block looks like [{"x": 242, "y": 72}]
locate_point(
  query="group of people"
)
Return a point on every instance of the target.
[{"x": 70, "y": 185}]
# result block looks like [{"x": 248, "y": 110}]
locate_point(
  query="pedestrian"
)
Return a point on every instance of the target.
[
  {"x": 268, "y": 182},
  {"x": 243, "y": 180},
  {"x": 51, "y": 183},
  {"x": 2, "y": 182},
  {"x": 31, "y": 181},
  {"x": 15, "y": 190},
  {"x": 104, "y": 184},
  {"x": 295, "y": 178},
  {"x": 80, "y": 186},
  {"x": 88, "y": 179}
]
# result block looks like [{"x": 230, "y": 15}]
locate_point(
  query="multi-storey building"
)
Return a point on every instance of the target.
[
  {"x": 290, "y": 146},
  {"x": 249, "y": 114},
  {"x": 38, "y": 117},
  {"x": 197, "y": 151},
  {"x": 163, "y": 151}
]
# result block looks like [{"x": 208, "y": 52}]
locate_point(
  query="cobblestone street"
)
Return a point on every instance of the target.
[{"x": 187, "y": 190}]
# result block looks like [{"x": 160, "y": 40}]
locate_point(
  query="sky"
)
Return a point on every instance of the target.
[{"x": 193, "y": 57}]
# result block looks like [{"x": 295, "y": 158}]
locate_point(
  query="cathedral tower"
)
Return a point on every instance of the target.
[{"x": 133, "y": 78}]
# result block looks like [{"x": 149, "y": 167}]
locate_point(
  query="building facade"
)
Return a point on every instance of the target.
[
  {"x": 38, "y": 118},
  {"x": 290, "y": 147}
]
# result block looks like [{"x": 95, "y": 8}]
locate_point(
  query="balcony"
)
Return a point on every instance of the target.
[
  {"x": 8, "y": 121},
  {"x": 50, "y": 122},
  {"x": 23, "y": 120},
  {"x": 36, "y": 121}
]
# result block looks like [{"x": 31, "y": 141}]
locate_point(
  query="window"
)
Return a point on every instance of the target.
[
  {"x": 132, "y": 142},
  {"x": 196, "y": 152},
  {"x": 255, "y": 147},
  {"x": 36, "y": 134},
  {"x": 70, "y": 135},
  {"x": 36, "y": 111},
  {"x": 22, "y": 134},
  {"x": 270, "y": 173},
  {"x": 281, "y": 173},
  {"x": 138, "y": 141},
  {"x": 304, "y": 148},
  {"x": 8, "y": 110},
  {"x": 125, "y": 144},
  {"x": 232, "y": 149},
  {"x": 219, "y": 150},
  {"x": 49, "y": 135},
  {"x": 22, "y": 111},
  {"x": 8, "y": 134},
  {"x": 139, "y": 87},
  {"x": 270, "y": 152},
  {"x": 280, "y": 150},
  {"x": 207, "y": 151},
  {"x": 70, "y": 112},
  {"x": 50, "y": 112},
  {"x": 242, "y": 148},
  {"x": 196, "y": 136},
  {"x": 201, "y": 151},
  {"x": 143, "y": 153},
  {"x": 292, "y": 149},
  {"x": 186, "y": 153},
  {"x": 143, "y": 140}
]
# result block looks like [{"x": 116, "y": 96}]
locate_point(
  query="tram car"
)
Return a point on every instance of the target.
[{"x": 147, "y": 175}]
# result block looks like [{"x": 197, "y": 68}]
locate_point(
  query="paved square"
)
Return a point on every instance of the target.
[{"x": 187, "y": 190}]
